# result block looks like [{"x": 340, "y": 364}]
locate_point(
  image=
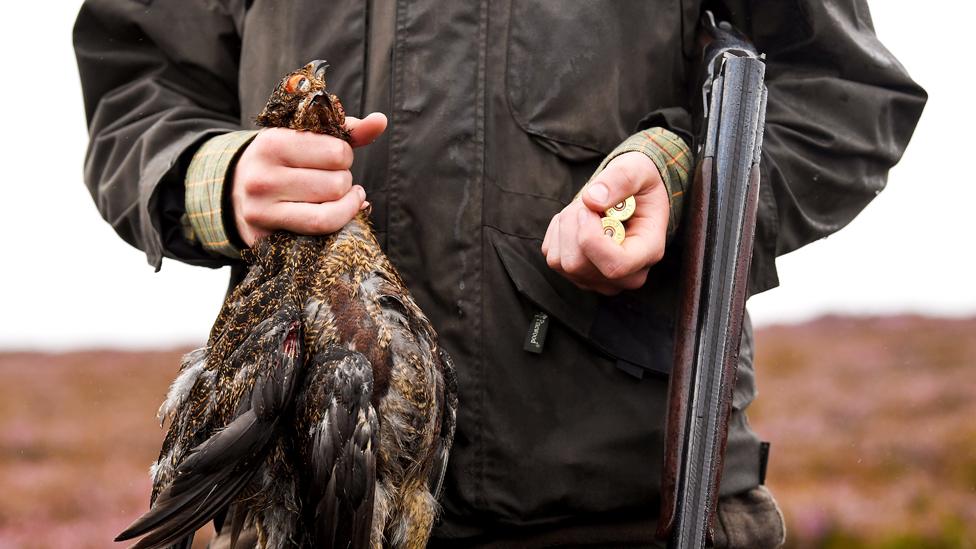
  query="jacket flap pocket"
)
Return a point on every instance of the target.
[
  {"x": 542, "y": 286},
  {"x": 580, "y": 85},
  {"x": 622, "y": 326}
]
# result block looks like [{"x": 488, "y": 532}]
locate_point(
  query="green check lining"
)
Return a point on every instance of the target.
[
  {"x": 671, "y": 155},
  {"x": 209, "y": 171}
]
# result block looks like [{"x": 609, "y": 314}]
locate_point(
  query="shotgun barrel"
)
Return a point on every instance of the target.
[{"x": 716, "y": 258}]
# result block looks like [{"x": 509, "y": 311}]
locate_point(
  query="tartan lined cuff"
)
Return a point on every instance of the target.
[
  {"x": 209, "y": 169},
  {"x": 671, "y": 155}
]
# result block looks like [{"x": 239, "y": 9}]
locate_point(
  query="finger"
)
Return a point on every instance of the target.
[
  {"x": 617, "y": 261},
  {"x": 306, "y": 185},
  {"x": 598, "y": 283},
  {"x": 549, "y": 232},
  {"x": 590, "y": 273},
  {"x": 626, "y": 175},
  {"x": 297, "y": 149},
  {"x": 317, "y": 219},
  {"x": 552, "y": 256},
  {"x": 573, "y": 259},
  {"x": 365, "y": 131},
  {"x": 250, "y": 234},
  {"x": 570, "y": 256}
]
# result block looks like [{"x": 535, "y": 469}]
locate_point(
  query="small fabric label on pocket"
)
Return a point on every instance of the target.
[{"x": 535, "y": 337}]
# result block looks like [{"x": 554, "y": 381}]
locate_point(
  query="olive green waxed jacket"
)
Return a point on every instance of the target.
[{"x": 499, "y": 112}]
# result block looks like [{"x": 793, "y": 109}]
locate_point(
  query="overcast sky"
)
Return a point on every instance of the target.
[{"x": 67, "y": 281}]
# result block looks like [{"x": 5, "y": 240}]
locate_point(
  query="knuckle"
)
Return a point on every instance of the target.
[
  {"x": 615, "y": 270},
  {"x": 630, "y": 179},
  {"x": 586, "y": 241},
  {"x": 553, "y": 261},
  {"x": 346, "y": 154},
  {"x": 573, "y": 263},
  {"x": 272, "y": 144},
  {"x": 258, "y": 186},
  {"x": 331, "y": 191},
  {"x": 344, "y": 180},
  {"x": 339, "y": 151},
  {"x": 251, "y": 214}
]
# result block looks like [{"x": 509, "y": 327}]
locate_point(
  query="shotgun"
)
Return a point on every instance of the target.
[{"x": 717, "y": 254}]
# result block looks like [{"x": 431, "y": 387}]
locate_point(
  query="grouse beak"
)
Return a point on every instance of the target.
[
  {"x": 318, "y": 68},
  {"x": 319, "y": 98}
]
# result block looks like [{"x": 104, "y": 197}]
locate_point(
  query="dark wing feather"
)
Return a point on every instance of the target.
[
  {"x": 341, "y": 430},
  {"x": 238, "y": 519},
  {"x": 212, "y": 474},
  {"x": 185, "y": 543},
  {"x": 216, "y": 471},
  {"x": 448, "y": 422},
  {"x": 187, "y": 521}
]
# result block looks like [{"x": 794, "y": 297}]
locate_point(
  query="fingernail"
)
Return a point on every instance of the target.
[
  {"x": 362, "y": 192},
  {"x": 598, "y": 192},
  {"x": 365, "y": 205}
]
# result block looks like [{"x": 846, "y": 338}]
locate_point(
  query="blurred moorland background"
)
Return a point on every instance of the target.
[{"x": 871, "y": 422}]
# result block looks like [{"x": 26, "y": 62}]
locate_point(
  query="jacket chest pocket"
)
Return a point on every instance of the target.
[{"x": 581, "y": 74}]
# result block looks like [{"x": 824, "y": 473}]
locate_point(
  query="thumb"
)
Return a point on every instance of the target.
[
  {"x": 624, "y": 176},
  {"x": 365, "y": 131}
]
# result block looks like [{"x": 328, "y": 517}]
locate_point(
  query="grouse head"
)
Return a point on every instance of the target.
[{"x": 300, "y": 102}]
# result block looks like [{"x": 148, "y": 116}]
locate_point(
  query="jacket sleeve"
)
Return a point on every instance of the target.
[
  {"x": 840, "y": 112},
  {"x": 158, "y": 78}
]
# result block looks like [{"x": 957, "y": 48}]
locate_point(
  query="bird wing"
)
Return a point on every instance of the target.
[
  {"x": 398, "y": 308},
  {"x": 448, "y": 423},
  {"x": 217, "y": 470},
  {"x": 339, "y": 429}
]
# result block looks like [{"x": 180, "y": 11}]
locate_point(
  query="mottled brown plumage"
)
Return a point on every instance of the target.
[{"x": 322, "y": 410}]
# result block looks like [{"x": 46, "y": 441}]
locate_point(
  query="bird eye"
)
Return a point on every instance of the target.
[{"x": 297, "y": 83}]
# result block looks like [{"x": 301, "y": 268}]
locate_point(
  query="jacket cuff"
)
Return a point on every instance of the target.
[
  {"x": 671, "y": 155},
  {"x": 209, "y": 170}
]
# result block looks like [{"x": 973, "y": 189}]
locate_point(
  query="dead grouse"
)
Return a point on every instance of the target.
[{"x": 322, "y": 411}]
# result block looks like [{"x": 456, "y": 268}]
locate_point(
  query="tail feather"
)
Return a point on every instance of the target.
[
  {"x": 205, "y": 482},
  {"x": 362, "y": 529},
  {"x": 192, "y": 518},
  {"x": 238, "y": 520}
]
